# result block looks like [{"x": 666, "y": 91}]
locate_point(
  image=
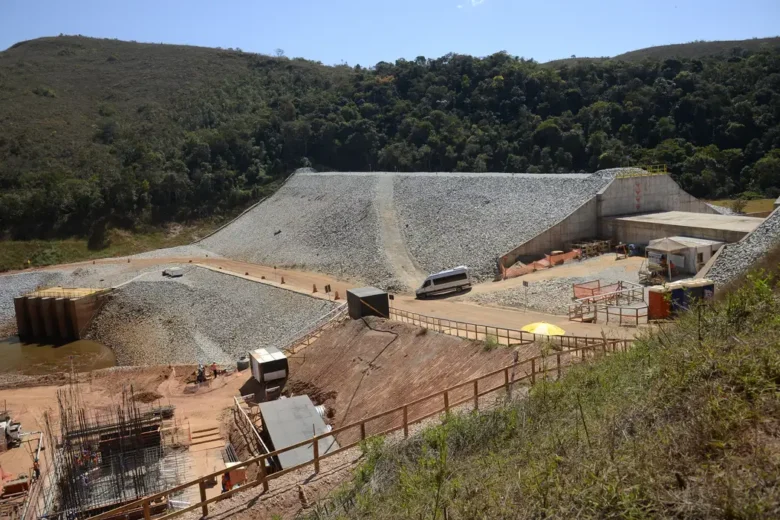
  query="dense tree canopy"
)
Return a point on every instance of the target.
[{"x": 219, "y": 143}]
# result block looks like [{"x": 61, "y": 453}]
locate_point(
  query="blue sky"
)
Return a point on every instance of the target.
[{"x": 367, "y": 31}]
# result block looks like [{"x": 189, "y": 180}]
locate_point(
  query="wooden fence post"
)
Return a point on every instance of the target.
[
  {"x": 204, "y": 507},
  {"x": 406, "y": 422},
  {"x": 316, "y": 456},
  {"x": 506, "y": 379},
  {"x": 362, "y": 431},
  {"x": 262, "y": 476},
  {"x": 476, "y": 394},
  {"x": 558, "y": 362},
  {"x": 446, "y": 402},
  {"x": 147, "y": 511},
  {"x": 533, "y": 371}
]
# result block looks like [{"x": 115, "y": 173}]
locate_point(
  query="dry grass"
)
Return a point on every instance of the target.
[
  {"x": 685, "y": 425},
  {"x": 752, "y": 206}
]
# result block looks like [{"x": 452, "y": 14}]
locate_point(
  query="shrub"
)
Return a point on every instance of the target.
[{"x": 44, "y": 92}]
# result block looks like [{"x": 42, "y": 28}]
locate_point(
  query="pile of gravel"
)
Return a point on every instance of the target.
[
  {"x": 178, "y": 251},
  {"x": 722, "y": 210},
  {"x": 735, "y": 259},
  {"x": 13, "y": 285},
  {"x": 96, "y": 276},
  {"x": 315, "y": 222},
  {"x": 450, "y": 220},
  {"x": 552, "y": 296},
  {"x": 332, "y": 222},
  {"x": 202, "y": 317}
]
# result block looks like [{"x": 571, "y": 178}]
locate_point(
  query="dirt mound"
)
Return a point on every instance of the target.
[
  {"x": 146, "y": 397},
  {"x": 361, "y": 368}
]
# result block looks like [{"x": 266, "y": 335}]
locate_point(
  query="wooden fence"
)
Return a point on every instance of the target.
[
  {"x": 545, "y": 366},
  {"x": 503, "y": 336}
]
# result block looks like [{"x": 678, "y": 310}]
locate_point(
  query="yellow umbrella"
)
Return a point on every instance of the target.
[{"x": 546, "y": 329}]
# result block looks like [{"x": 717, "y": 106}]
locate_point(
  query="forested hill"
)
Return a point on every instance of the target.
[
  {"x": 693, "y": 51},
  {"x": 102, "y": 132}
]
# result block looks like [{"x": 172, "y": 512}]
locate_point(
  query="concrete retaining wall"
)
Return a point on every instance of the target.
[
  {"x": 633, "y": 232},
  {"x": 622, "y": 196},
  {"x": 56, "y": 320},
  {"x": 580, "y": 224},
  {"x": 632, "y": 195}
]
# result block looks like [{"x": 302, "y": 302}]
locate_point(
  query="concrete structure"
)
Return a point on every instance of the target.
[
  {"x": 641, "y": 229},
  {"x": 621, "y": 196},
  {"x": 368, "y": 301},
  {"x": 57, "y": 314},
  {"x": 777, "y": 203},
  {"x": 689, "y": 255},
  {"x": 645, "y": 194},
  {"x": 289, "y": 421}
]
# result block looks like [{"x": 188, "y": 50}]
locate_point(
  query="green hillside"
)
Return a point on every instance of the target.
[
  {"x": 686, "y": 424},
  {"x": 692, "y": 51},
  {"x": 102, "y": 133}
]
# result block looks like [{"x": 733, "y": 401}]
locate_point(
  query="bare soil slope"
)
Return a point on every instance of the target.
[{"x": 359, "y": 369}]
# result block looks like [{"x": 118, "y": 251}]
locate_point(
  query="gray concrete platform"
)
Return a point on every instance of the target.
[{"x": 650, "y": 226}]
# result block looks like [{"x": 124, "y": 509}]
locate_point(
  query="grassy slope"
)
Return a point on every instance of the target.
[
  {"x": 677, "y": 427},
  {"x": 57, "y": 91},
  {"x": 14, "y": 254},
  {"x": 752, "y": 206},
  {"x": 683, "y": 50}
]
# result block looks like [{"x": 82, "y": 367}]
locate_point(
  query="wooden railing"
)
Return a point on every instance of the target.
[
  {"x": 240, "y": 414},
  {"x": 503, "y": 336},
  {"x": 609, "y": 306},
  {"x": 531, "y": 371},
  {"x": 309, "y": 335},
  {"x": 627, "y": 316}
]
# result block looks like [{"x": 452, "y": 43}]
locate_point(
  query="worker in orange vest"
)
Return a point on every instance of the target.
[{"x": 226, "y": 484}]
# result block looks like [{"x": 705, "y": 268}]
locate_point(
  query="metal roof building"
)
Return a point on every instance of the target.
[{"x": 290, "y": 421}]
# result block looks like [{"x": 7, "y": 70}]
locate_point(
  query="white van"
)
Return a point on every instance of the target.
[{"x": 455, "y": 279}]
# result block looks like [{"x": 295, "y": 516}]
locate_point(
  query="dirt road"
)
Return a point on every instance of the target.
[
  {"x": 394, "y": 243},
  {"x": 445, "y": 307}
]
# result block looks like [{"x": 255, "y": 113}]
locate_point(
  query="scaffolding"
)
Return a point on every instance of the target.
[
  {"x": 104, "y": 460},
  {"x": 591, "y": 248}
]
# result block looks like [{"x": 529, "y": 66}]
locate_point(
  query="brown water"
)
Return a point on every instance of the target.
[{"x": 33, "y": 359}]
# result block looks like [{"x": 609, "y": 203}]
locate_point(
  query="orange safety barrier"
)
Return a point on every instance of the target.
[
  {"x": 547, "y": 262},
  {"x": 594, "y": 288}
]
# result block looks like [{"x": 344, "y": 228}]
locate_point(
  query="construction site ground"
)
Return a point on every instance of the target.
[
  {"x": 199, "y": 413},
  {"x": 354, "y": 370},
  {"x": 360, "y": 368},
  {"x": 451, "y": 307}
]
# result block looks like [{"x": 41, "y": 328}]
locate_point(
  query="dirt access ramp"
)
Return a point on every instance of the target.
[{"x": 361, "y": 368}]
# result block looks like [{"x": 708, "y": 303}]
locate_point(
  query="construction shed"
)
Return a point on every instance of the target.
[
  {"x": 368, "y": 301},
  {"x": 289, "y": 421},
  {"x": 687, "y": 255}
]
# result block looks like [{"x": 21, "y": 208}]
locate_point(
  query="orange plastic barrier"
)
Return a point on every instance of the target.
[
  {"x": 593, "y": 288},
  {"x": 547, "y": 262}
]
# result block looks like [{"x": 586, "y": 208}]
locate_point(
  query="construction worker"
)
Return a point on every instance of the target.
[
  {"x": 36, "y": 469},
  {"x": 215, "y": 370},
  {"x": 226, "y": 484}
]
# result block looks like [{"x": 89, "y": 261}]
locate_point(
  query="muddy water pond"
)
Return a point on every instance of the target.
[{"x": 33, "y": 359}]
